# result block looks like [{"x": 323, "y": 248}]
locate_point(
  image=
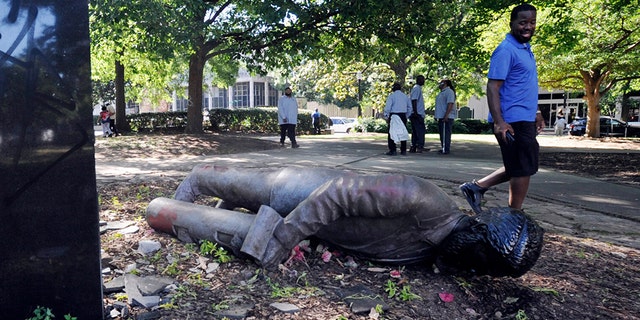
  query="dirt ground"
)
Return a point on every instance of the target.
[{"x": 575, "y": 277}]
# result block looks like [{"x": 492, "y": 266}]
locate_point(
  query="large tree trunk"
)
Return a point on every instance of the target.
[
  {"x": 122, "y": 125},
  {"x": 399, "y": 68},
  {"x": 592, "y": 86},
  {"x": 194, "y": 111}
]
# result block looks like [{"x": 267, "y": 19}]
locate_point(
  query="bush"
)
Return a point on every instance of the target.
[
  {"x": 370, "y": 124},
  {"x": 473, "y": 126},
  {"x": 476, "y": 126},
  {"x": 157, "y": 121},
  {"x": 265, "y": 120},
  {"x": 245, "y": 120},
  {"x": 262, "y": 120}
]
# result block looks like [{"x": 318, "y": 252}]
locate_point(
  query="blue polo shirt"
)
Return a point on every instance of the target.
[{"x": 514, "y": 63}]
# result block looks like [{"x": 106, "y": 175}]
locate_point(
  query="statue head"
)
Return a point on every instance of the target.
[{"x": 498, "y": 242}]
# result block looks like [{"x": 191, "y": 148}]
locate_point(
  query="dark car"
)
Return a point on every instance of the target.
[
  {"x": 578, "y": 126},
  {"x": 608, "y": 127}
]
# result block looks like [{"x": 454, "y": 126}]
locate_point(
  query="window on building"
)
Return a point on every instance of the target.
[
  {"x": 132, "y": 107},
  {"x": 205, "y": 102},
  {"x": 241, "y": 95},
  {"x": 273, "y": 96},
  {"x": 182, "y": 104},
  {"x": 258, "y": 94},
  {"x": 219, "y": 99}
]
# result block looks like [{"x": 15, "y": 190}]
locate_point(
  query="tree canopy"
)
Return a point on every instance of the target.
[
  {"x": 590, "y": 45},
  {"x": 587, "y": 45}
]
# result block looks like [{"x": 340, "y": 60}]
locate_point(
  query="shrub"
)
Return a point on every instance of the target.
[
  {"x": 476, "y": 126},
  {"x": 262, "y": 119},
  {"x": 473, "y": 126},
  {"x": 157, "y": 121},
  {"x": 370, "y": 124},
  {"x": 265, "y": 120}
]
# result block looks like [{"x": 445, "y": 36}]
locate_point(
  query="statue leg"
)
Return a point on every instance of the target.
[
  {"x": 280, "y": 188},
  {"x": 243, "y": 187},
  {"x": 191, "y": 222},
  {"x": 239, "y": 232}
]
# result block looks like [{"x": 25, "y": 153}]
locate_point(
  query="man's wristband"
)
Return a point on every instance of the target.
[{"x": 539, "y": 111}]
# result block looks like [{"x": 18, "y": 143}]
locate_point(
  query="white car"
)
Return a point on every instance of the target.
[
  {"x": 342, "y": 124},
  {"x": 634, "y": 124}
]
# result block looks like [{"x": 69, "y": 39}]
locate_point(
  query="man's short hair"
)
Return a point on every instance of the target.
[
  {"x": 520, "y": 8},
  {"x": 396, "y": 86}
]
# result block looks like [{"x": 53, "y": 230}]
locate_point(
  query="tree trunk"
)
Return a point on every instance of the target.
[
  {"x": 122, "y": 125},
  {"x": 593, "y": 116},
  {"x": 194, "y": 110},
  {"x": 592, "y": 86},
  {"x": 624, "y": 112},
  {"x": 400, "y": 70}
]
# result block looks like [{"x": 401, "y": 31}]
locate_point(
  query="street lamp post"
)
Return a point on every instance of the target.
[{"x": 359, "y": 76}]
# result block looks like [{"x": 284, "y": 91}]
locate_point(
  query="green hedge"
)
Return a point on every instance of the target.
[
  {"x": 472, "y": 126},
  {"x": 265, "y": 120},
  {"x": 160, "y": 121},
  {"x": 261, "y": 119}
]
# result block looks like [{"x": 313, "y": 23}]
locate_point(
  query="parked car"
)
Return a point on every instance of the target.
[
  {"x": 608, "y": 127},
  {"x": 342, "y": 124},
  {"x": 578, "y": 126}
]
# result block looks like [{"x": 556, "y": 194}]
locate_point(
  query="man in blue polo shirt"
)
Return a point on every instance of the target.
[{"x": 512, "y": 94}]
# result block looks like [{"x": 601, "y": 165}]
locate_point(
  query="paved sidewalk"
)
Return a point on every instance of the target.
[{"x": 563, "y": 203}]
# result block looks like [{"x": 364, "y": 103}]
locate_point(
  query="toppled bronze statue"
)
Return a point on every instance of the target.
[{"x": 389, "y": 218}]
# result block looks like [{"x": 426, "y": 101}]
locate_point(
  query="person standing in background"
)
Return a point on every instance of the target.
[
  {"x": 417, "y": 117},
  {"x": 512, "y": 94},
  {"x": 112, "y": 120},
  {"x": 288, "y": 117},
  {"x": 315, "y": 120},
  {"x": 104, "y": 121},
  {"x": 445, "y": 113},
  {"x": 398, "y": 104},
  {"x": 561, "y": 123}
]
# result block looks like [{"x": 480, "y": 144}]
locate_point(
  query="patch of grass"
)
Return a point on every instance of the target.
[
  {"x": 116, "y": 203},
  {"x": 404, "y": 294},
  {"x": 196, "y": 280},
  {"x": 391, "y": 289},
  {"x": 407, "y": 295},
  {"x": 521, "y": 315},
  {"x": 172, "y": 269},
  {"x": 143, "y": 192},
  {"x": 278, "y": 291},
  {"x": 156, "y": 257},
  {"x": 121, "y": 297},
  {"x": 222, "y": 305},
  {"x": 209, "y": 248},
  {"x": 547, "y": 291}
]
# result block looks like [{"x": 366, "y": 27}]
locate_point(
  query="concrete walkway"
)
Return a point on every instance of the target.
[{"x": 568, "y": 204}]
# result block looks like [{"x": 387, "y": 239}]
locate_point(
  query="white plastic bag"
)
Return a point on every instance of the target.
[{"x": 397, "y": 130}]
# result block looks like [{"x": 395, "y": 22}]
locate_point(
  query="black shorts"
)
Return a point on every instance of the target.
[{"x": 520, "y": 158}]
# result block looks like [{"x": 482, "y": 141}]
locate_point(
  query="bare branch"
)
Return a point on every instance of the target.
[{"x": 219, "y": 12}]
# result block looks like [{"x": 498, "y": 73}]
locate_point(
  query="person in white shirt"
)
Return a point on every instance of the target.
[
  {"x": 445, "y": 113},
  {"x": 288, "y": 117},
  {"x": 398, "y": 104},
  {"x": 560, "y": 124}
]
